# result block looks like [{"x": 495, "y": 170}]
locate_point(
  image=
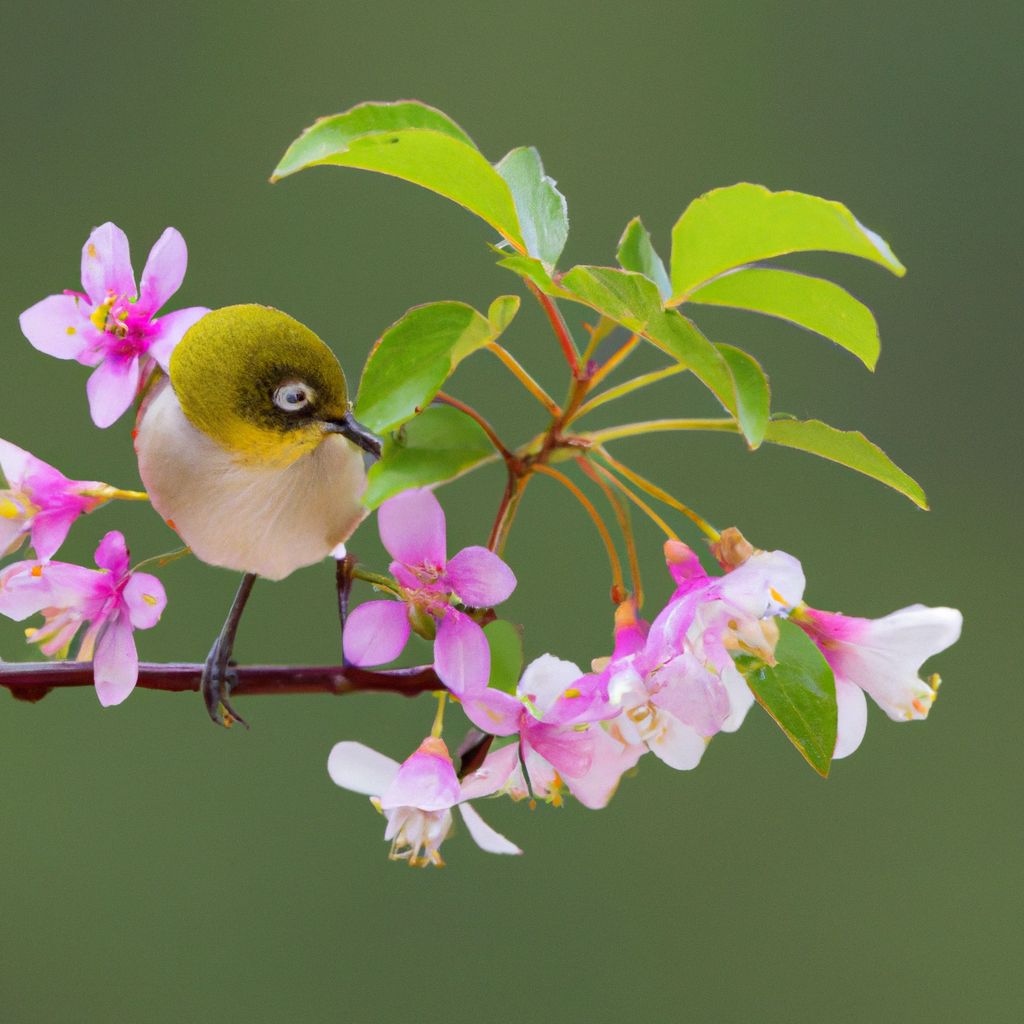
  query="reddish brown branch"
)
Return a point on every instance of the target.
[{"x": 31, "y": 681}]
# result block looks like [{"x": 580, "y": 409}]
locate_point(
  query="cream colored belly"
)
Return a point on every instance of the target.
[{"x": 269, "y": 521}]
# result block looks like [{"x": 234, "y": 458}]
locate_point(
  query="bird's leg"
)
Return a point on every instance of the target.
[
  {"x": 218, "y": 674},
  {"x": 343, "y": 581}
]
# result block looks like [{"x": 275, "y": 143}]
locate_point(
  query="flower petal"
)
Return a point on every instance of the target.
[
  {"x": 164, "y": 270},
  {"x": 426, "y": 780},
  {"x": 569, "y": 752},
  {"x": 544, "y": 680},
  {"x": 50, "y": 529},
  {"x": 169, "y": 330},
  {"x": 497, "y": 713},
  {"x": 107, "y": 264},
  {"x": 483, "y": 835},
  {"x": 376, "y": 632},
  {"x": 361, "y": 769},
  {"x": 412, "y": 528},
  {"x": 15, "y": 463},
  {"x": 145, "y": 598},
  {"x": 112, "y": 554},
  {"x": 461, "y": 656},
  {"x": 852, "y": 707},
  {"x": 741, "y": 697},
  {"x": 480, "y": 577},
  {"x": 115, "y": 664},
  {"x": 57, "y": 326},
  {"x": 492, "y": 775},
  {"x": 25, "y": 588},
  {"x": 611, "y": 758},
  {"x": 677, "y": 744},
  {"x": 111, "y": 389}
]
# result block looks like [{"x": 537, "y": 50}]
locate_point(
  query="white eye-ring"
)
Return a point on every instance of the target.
[{"x": 293, "y": 397}]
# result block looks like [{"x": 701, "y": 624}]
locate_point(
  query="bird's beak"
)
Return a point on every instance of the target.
[{"x": 348, "y": 426}]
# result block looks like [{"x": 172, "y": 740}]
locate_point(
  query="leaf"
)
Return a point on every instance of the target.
[
  {"x": 729, "y": 227},
  {"x": 415, "y": 142},
  {"x": 416, "y": 355},
  {"x": 506, "y": 643},
  {"x": 818, "y": 305},
  {"x": 799, "y": 692},
  {"x": 847, "y": 447},
  {"x": 501, "y": 312},
  {"x": 542, "y": 210},
  {"x": 531, "y": 269},
  {"x": 753, "y": 396},
  {"x": 440, "y": 444},
  {"x": 636, "y": 253}
]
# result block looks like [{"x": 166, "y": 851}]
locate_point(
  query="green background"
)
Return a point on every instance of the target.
[{"x": 157, "y": 869}]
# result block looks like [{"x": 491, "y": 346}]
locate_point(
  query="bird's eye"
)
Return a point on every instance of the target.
[{"x": 293, "y": 397}]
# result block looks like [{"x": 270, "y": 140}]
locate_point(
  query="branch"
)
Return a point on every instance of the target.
[{"x": 31, "y": 681}]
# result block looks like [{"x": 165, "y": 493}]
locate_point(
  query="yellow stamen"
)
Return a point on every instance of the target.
[
  {"x": 149, "y": 599},
  {"x": 8, "y": 510},
  {"x": 37, "y": 571},
  {"x": 71, "y": 330},
  {"x": 573, "y": 692}
]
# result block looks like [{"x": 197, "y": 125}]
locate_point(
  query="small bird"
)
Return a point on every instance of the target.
[{"x": 249, "y": 450}]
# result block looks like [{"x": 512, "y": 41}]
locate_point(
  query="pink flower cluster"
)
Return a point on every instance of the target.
[{"x": 667, "y": 688}]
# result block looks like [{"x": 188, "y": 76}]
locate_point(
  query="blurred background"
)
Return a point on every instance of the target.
[{"x": 158, "y": 869}]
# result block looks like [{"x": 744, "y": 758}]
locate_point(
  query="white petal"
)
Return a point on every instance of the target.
[
  {"x": 852, "y": 707},
  {"x": 545, "y": 679},
  {"x": 485, "y": 836},
  {"x": 361, "y": 769}
]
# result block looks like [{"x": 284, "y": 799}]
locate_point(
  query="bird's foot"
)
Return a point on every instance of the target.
[{"x": 219, "y": 677}]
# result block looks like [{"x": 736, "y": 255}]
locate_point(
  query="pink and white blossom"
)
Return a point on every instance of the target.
[
  {"x": 883, "y": 658},
  {"x": 40, "y": 502},
  {"x": 412, "y": 529},
  {"x": 418, "y": 795},
  {"x": 113, "y": 602},
  {"x": 111, "y": 324}
]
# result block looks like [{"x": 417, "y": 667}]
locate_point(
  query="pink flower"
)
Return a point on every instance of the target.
[
  {"x": 881, "y": 657},
  {"x": 113, "y": 325},
  {"x": 417, "y": 796},
  {"x": 556, "y": 711},
  {"x": 412, "y": 529},
  {"x": 114, "y": 601},
  {"x": 41, "y": 502}
]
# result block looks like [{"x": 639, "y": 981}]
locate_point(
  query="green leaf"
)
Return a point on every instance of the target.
[
  {"x": 531, "y": 269},
  {"x": 440, "y": 444},
  {"x": 637, "y": 253},
  {"x": 415, "y": 142},
  {"x": 416, "y": 355},
  {"x": 729, "y": 227},
  {"x": 501, "y": 312},
  {"x": 753, "y": 396},
  {"x": 543, "y": 214},
  {"x": 818, "y": 305},
  {"x": 847, "y": 447},
  {"x": 799, "y": 692},
  {"x": 506, "y": 643}
]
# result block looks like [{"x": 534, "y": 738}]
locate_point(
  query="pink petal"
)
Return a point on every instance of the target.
[
  {"x": 544, "y": 680},
  {"x": 12, "y": 535},
  {"x": 684, "y": 565},
  {"x": 543, "y": 778},
  {"x": 116, "y": 662},
  {"x": 611, "y": 758},
  {"x": 23, "y": 594},
  {"x": 412, "y": 528},
  {"x": 691, "y": 693},
  {"x": 493, "y": 711},
  {"x": 852, "y": 707},
  {"x": 483, "y": 835},
  {"x": 492, "y": 775},
  {"x": 678, "y": 745},
  {"x": 111, "y": 389},
  {"x": 169, "y": 330},
  {"x": 766, "y": 584},
  {"x": 164, "y": 270},
  {"x": 461, "y": 656},
  {"x": 107, "y": 264},
  {"x": 15, "y": 463},
  {"x": 50, "y": 530},
  {"x": 376, "y": 632},
  {"x": 741, "y": 697},
  {"x": 426, "y": 780},
  {"x": 145, "y": 598},
  {"x": 357, "y": 767},
  {"x": 112, "y": 554},
  {"x": 480, "y": 578},
  {"x": 58, "y": 327},
  {"x": 569, "y": 752}
]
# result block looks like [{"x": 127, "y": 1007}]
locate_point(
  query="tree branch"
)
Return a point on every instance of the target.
[{"x": 31, "y": 681}]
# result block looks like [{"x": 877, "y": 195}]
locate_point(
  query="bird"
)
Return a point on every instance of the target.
[{"x": 248, "y": 449}]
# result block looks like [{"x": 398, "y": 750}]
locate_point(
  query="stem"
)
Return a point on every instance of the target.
[
  {"x": 569, "y": 350},
  {"x": 656, "y": 492},
  {"x": 34, "y": 679},
  {"x": 514, "y": 488},
  {"x": 524, "y": 378},
  {"x": 622, "y": 515},
  {"x": 161, "y": 560},
  {"x": 618, "y": 583},
  {"x": 598, "y": 437},
  {"x": 375, "y": 579},
  {"x": 598, "y": 333},
  {"x": 438, "y": 727},
  {"x": 639, "y": 502},
  {"x": 485, "y": 426},
  {"x": 630, "y": 385},
  {"x": 614, "y": 359}
]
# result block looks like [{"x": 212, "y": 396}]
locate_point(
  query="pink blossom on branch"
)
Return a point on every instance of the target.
[
  {"x": 412, "y": 529},
  {"x": 40, "y": 502},
  {"x": 111, "y": 324},
  {"x": 112, "y": 600},
  {"x": 417, "y": 796}
]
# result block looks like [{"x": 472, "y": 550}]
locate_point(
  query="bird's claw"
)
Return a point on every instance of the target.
[{"x": 219, "y": 677}]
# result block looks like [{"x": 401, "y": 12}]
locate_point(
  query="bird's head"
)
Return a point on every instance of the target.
[{"x": 263, "y": 385}]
